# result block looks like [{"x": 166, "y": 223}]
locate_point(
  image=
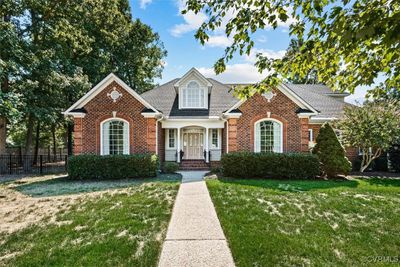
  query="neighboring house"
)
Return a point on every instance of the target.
[{"x": 198, "y": 118}]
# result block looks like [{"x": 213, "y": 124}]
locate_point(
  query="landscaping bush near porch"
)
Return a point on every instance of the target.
[
  {"x": 271, "y": 165},
  {"x": 112, "y": 166}
]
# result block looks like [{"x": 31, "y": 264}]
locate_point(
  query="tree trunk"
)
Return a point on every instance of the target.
[
  {"x": 4, "y": 87},
  {"x": 29, "y": 135},
  {"x": 70, "y": 129},
  {"x": 368, "y": 158},
  {"x": 37, "y": 137},
  {"x": 28, "y": 144},
  {"x": 3, "y": 136},
  {"x": 53, "y": 133}
]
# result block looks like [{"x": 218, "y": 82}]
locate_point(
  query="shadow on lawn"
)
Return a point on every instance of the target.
[
  {"x": 383, "y": 182},
  {"x": 64, "y": 186},
  {"x": 293, "y": 185}
]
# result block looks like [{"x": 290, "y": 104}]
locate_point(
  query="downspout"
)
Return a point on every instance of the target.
[
  {"x": 227, "y": 131},
  {"x": 157, "y": 121}
]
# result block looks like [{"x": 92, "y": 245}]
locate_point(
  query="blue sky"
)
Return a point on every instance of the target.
[{"x": 184, "y": 51}]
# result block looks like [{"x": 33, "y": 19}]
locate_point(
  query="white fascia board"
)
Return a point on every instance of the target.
[
  {"x": 150, "y": 115},
  {"x": 74, "y": 114},
  {"x": 232, "y": 115},
  {"x": 182, "y": 123},
  {"x": 304, "y": 115},
  {"x": 238, "y": 104},
  {"x": 321, "y": 120},
  {"x": 287, "y": 92},
  {"x": 195, "y": 72},
  {"x": 295, "y": 98},
  {"x": 100, "y": 86}
]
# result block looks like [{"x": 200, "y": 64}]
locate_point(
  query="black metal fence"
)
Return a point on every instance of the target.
[{"x": 30, "y": 164}]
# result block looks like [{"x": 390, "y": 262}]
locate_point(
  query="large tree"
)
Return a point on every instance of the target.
[
  {"x": 347, "y": 43},
  {"x": 374, "y": 128},
  {"x": 68, "y": 46}
]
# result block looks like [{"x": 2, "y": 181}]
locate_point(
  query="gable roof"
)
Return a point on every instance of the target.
[
  {"x": 322, "y": 98},
  {"x": 319, "y": 100},
  {"x": 78, "y": 105},
  {"x": 196, "y": 73},
  {"x": 165, "y": 99}
]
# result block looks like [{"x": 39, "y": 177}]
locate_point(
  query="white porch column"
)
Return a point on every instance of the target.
[
  {"x": 206, "y": 147},
  {"x": 178, "y": 145}
]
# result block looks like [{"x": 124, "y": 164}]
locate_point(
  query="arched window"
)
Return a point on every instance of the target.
[
  {"x": 193, "y": 96},
  {"x": 268, "y": 136},
  {"x": 114, "y": 137}
]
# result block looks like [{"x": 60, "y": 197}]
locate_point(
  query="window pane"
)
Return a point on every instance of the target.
[
  {"x": 171, "y": 138},
  {"x": 269, "y": 136},
  {"x": 193, "y": 96},
  {"x": 116, "y": 137},
  {"x": 214, "y": 137}
]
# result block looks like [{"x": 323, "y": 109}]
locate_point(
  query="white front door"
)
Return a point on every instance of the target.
[{"x": 193, "y": 145}]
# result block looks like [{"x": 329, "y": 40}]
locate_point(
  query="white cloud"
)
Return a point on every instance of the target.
[
  {"x": 144, "y": 3},
  {"x": 192, "y": 21},
  {"x": 235, "y": 73},
  {"x": 219, "y": 41},
  {"x": 262, "y": 39},
  {"x": 252, "y": 58},
  {"x": 358, "y": 96}
]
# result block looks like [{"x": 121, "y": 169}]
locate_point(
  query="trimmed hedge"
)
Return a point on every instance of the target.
[
  {"x": 170, "y": 167},
  {"x": 112, "y": 166},
  {"x": 270, "y": 165}
]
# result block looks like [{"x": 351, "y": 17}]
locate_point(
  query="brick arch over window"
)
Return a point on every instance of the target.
[
  {"x": 124, "y": 117},
  {"x": 279, "y": 119}
]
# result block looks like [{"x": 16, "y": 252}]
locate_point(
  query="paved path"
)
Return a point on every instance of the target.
[{"x": 195, "y": 236}]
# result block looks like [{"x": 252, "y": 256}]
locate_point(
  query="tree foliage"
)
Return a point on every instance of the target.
[
  {"x": 347, "y": 43},
  {"x": 373, "y": 128},
  {"x": 52, "y": 52},
  {"x": 331, "y": 153}
]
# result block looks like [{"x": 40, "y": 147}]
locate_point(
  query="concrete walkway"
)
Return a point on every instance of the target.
[{"x": 195, "y": 236}]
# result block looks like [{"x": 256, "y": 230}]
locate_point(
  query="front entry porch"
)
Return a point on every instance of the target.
[{"x": 193, "y": 144}]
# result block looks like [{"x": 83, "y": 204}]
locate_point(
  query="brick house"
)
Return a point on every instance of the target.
[{"x": 197, "y": 119}]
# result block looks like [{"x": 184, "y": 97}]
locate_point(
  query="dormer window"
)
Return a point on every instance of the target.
[{"x": 193, "y": 96}]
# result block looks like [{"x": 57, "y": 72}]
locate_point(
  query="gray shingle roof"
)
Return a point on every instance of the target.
[
  {"x": 320, "y": 98},
  {"x": 165, "y": 99}
]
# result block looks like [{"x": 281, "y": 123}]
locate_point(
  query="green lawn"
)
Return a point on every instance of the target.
[
  {"x": 119, "y": 227},
  {"x": 310, "y": 223}
]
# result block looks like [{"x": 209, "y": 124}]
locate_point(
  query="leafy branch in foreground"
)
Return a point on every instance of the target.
[{"x": 346, "y": 43}]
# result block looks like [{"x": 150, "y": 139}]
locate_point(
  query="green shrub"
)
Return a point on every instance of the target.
[
  {"x": 394, "y": 157},
  {"x": 216, "y": 169},
  {"x": 270, "y": 165},
  {"x": 331, "y": 153},
  {"x": 112, "y": 166},
  {"x": 170, "y": 167}
]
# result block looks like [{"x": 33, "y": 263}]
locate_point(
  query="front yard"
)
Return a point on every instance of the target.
[
  {"x": 310, "y": 223},
  {"x": 57, "y": 222}
]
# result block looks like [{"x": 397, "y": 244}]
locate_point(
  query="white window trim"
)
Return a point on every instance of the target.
[
  {"x": 256, "y": 133},
  {"x": 182, "y": 101},
  {"x": 101, "y": 134},
  {"x": 218, "y": 137},
  {"x": 310, "y": 135},
  {"x": 167, "y": 138}
]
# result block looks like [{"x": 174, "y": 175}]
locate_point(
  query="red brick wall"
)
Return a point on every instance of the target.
[
  {"x": 141, "y": 130},
  {"x": 77, "y": 136},
  {"x": 282, "y": 109}
]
